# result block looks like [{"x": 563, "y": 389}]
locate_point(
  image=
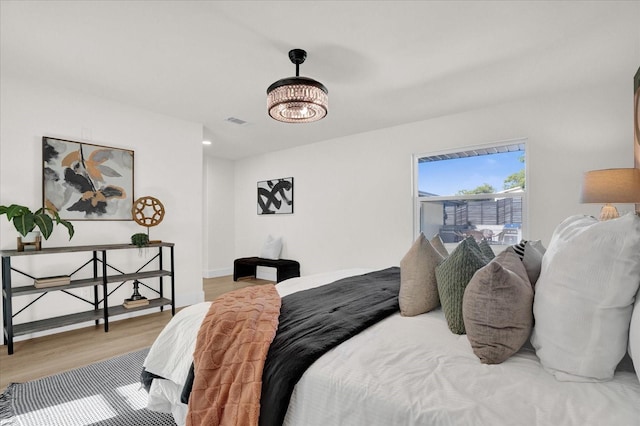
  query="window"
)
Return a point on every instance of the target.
[{"x": 479, "y": 192}]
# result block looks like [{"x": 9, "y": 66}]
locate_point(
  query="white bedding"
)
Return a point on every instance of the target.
[{"x": 410, "y": 371}]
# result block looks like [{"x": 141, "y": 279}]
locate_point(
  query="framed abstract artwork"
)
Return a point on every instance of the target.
[
  {"x": 82, "y": 181},
  {"x": 275, "y": 196}
]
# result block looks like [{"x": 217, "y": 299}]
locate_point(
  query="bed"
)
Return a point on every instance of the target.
[
  {"x": 408, "y": 371},
  {"x": 530, "y": 336}
]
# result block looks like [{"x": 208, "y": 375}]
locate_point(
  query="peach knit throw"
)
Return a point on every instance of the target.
[{"x": 231, "y": 348}]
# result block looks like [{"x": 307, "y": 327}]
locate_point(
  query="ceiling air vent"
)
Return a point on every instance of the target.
[{"x": 236, "y": 121}]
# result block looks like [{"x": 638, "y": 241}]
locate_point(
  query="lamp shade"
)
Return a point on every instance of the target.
[{"x": 611, "y": 186}]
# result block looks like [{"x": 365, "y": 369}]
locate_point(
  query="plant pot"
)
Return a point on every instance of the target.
[
  {"x": 32, "y": 241},
  {"x": 140, "y": 240},
  {"x": 31, "y": 237}
]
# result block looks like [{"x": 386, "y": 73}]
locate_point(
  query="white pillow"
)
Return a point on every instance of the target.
[
  {"x": 271, "y": 248},
  {"x": 634, "y": 335},
  {"x": 584, "y": 297}
]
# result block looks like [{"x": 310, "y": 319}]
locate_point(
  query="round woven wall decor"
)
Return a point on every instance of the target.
[{"x": 147, "y": 211}]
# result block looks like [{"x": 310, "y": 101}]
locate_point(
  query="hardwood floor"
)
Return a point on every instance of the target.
[{"x": 55, "y": 353}]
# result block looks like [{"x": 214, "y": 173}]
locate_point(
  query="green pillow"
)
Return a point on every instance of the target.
[
  {"x": 452, "y": 277},
  {"x": 486, "y": 249}
]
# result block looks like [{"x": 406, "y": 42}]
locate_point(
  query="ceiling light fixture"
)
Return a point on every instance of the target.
[{"x": 297, "y": 99}]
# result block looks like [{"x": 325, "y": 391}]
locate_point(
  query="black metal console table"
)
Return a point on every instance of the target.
[{"x": 100, "y": 277}]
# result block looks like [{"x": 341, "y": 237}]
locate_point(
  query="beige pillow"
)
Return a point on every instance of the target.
[
  {"x": 418, "y": 288},
  {"x": 498, "y": 308},
  {"x": 437, "y": 244}
]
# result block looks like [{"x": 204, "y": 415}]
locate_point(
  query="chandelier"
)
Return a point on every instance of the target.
[{"x": 297, "y": 99}]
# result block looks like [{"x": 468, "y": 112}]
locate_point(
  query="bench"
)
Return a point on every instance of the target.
[{"x": 246, "y": 267}]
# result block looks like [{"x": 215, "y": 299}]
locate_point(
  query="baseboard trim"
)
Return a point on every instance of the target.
[{"x": 214, "y": 273}]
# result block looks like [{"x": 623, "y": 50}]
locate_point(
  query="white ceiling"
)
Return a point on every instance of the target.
[{"x": 384, "y": 63}]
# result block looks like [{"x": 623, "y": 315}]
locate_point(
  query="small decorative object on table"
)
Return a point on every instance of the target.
[
  {"x": 136, "y": 298},
  {"x": 32, "y": 239},
  {"x": 140, "y": 240},
  {"x": 25, "y": 221},
  {"x": 148, "y": 211},
  {"x": 128, "y": 303},
  {"x": 52, "y": 281}
]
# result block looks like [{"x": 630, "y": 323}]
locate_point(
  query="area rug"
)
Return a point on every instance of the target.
[{"x": 107, "y": 393}]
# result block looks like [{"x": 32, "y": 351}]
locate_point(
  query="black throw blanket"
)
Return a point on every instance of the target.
[{"x": 314, "y": 321}]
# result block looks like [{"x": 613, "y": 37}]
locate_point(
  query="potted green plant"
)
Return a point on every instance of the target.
[
  {"x": 26, "y": 221},
  {"x": 140, "y": 240}
]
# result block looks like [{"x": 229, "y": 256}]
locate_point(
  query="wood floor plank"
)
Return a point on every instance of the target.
[{"x": 55, "y": 353}]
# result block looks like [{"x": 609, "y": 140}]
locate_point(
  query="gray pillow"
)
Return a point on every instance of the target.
[
  {"x": 418, "y": 288},
  {"x": 453, "y": 275},
  {"x": 498, "y": 308},
  {"x": 532, "y": 259}
]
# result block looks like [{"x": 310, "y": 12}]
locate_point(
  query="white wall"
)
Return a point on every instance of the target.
[
  {"x": 353, "y": 200},
  {"x": 168, "y": 166},
  {"x": 219, "y": 217}
]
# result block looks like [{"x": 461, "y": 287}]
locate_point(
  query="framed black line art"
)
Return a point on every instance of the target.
[
  {"x": 275, "y": 196},
  {"x": 82, "y": 181}
]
